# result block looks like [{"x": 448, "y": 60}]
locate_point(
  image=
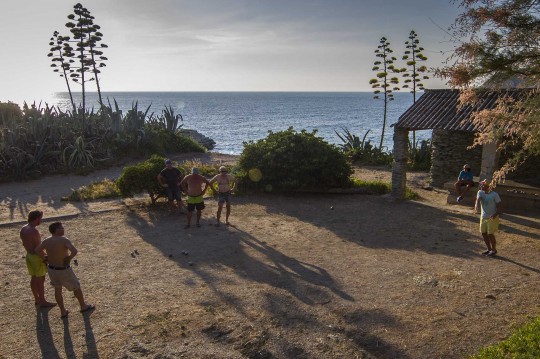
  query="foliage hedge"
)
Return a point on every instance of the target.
[
  {"x": 291, "y": 160},
  {"x": 142, "y": 178}
]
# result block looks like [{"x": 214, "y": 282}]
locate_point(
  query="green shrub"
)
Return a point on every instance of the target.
[
  {"x": 381, "y": 187},
  {"x": 141, "y": 178},
  {"x": 293, "y": 160},
  {"x": 524, "y": 343},
  {"x": 95, "y": 190}
]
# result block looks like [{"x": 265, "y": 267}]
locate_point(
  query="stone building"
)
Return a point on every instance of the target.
[{"x": 453, "y": 133}]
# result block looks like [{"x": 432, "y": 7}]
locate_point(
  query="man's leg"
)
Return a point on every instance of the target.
[
  {"x": 60, "y": 300},
  {"x": 80, "y": 297},
  {"x": 492, "y": 242},
  {"x": 228, "y": 213},
  {"x": 466, "y": 189},
  {"x": 199, "y": 213},
  {"x": 219, "y": 209},
  {"x": 34, "y": 288},
  {"x": 457, "y": 185},
  {"x": 40, "y": 287},
  {"x": 487, "y": 240},
  {"x": 189, "y": 214}
]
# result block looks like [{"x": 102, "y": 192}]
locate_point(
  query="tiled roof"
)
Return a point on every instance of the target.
[{"x": 438, "y": 109}]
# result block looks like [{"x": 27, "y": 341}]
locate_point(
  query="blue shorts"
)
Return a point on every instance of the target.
[{"x": 173, "y": 193}]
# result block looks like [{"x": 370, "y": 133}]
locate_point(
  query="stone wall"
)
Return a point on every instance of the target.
[{"x": 450, "y": 153}]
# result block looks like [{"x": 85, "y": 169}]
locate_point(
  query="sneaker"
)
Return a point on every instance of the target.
[
  {"x": 459, "y": 199},
  {"x": 485, "y": 253},
  {"x": 492, "y": 253}
]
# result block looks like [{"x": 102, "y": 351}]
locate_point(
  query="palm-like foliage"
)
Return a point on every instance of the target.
[
  {"x": 382, "y": 84},
  {"x": 415, "y": 72}
]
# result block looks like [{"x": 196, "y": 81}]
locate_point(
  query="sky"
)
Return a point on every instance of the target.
[{"x": 222, "y": 45}]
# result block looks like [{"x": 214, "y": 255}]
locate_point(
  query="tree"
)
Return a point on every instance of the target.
[
  {"x": 62, "y": 61},
  {"x": 414, "y": 73},
  {"x": 383, "y": 82},
  {"x": 86, "y": 38},
  {"x": 501, "y": 40}
]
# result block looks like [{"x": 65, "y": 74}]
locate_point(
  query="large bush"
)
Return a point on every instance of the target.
[
  {"x": 142, "y": 177},
  {"x": 294, "y": 160}
]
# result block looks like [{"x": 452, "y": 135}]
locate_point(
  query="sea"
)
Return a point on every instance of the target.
[{"x": 232, "y": 118}]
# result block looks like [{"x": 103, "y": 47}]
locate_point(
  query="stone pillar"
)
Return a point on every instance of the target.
[
  {"x": 399, "y": 166},
  {"x": 490, "y": 161}
]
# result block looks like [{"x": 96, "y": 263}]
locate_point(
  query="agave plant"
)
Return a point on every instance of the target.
[
  {"x": 135, "y": 119},
  {"x": 79, "y": 154},
  {"x": 171, "y": 120},
  {"x": 351, "y": 141},
  {"x": 113, "y": 116}
]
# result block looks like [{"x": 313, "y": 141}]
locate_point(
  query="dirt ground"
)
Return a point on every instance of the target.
[{"x": 290, "y": 278}]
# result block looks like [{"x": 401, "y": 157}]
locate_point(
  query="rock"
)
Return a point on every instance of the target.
[
  {"x": 490, "y": 296},
  {"x": 207, "y": 142}
]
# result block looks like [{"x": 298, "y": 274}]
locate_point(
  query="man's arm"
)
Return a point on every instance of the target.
[
  {"x": 72, "y": 251},
  {"x": 499, "y": 209},
  {"x": 161, "y": 181},
  {"x": 40, "y": 249},
  {"x": 233, "y": 182}
]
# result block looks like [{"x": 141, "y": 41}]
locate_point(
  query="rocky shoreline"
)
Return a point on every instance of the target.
[{"x": 207, "y": 142}]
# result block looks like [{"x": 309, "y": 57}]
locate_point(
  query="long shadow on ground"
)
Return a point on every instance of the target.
[{"x": 290, "y": 293}]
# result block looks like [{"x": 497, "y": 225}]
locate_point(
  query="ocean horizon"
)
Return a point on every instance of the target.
[{"x": 230, "y": 118}]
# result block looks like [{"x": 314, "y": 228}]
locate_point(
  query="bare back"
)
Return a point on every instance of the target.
[
  {"x": 195, "y": 184},
  {"x": 30, "y": 237},
  {"x": 57, "y": 249}
]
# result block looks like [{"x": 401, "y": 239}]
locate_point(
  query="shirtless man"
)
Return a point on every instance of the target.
[
  {"x": 193, "y": 186},
  {"x": 226, "y": 185},
  {"x": 60, "y": 252},
  {"x": 36, "y": 264}
]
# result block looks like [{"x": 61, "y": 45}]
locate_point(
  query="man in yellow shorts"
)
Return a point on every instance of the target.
[
  {"x": 37, "y": 268},
  {"x": 490, "y": 204}
]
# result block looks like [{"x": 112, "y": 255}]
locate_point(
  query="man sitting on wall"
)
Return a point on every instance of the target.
[{"x": 465, "y": 178}]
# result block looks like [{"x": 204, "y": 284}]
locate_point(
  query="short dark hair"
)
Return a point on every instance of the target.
[
  {"x": 54, "y": 226},
  {"x": 33, "y": 215}
]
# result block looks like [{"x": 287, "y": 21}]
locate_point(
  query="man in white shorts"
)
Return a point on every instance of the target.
[{"x": 60, "y": 251}]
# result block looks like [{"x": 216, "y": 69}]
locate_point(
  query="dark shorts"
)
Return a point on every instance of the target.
[
  {"x": 224, "y": 197},
  {"x": 195, "y": 202},
  {"x": 173, "y": 193}
]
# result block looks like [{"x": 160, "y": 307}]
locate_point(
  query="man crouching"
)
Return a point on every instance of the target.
[{"x": 60, "y": 251}]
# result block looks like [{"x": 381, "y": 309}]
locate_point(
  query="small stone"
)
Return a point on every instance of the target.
[
  {"x": 190, "y": 263},
  {"x": 490, "y": 296},
  {"x": 136, "y": 252},
  {"x": 331, "y": 207},
  {"x": 133, "y": 254},
  {"x": 170, "y": 255}
]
